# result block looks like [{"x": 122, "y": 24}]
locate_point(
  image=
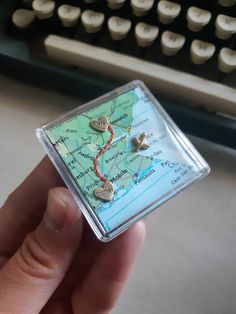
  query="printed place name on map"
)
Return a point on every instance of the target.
[
  {"x": 71, "y": 131},
  {"x": 176, "y": 180},
  {"x": 77, "y": 149},
  {"x": 124, "y": 104},
  {"x": 155, "y": 154},
  {"x": 72, "y": 163},
  {"x": 118, "y": 176},
  {"x": 92, "y": 185},
  {"x": 119, "y": 119},
  {"x": 83, "y": 173},
  {"x": 115, "y": 156},
  {"x": 148, "y": 174},
  {"x": 169, "y": 164},
  {"x": 128, "y": 162},
  {"x": 62, "y": 140},
  {"x": 86, "y": 156}
]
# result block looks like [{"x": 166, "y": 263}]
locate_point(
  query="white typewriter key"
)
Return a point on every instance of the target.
[
  {"x": 197, "y": 18},
  {"x": 118, "y": 27},
  {"x": 201, "y": 51},
  {"x": 115, "y": 4},
  {"x": 227, "y": 60},
  {"x": 171, "y": 43},
  {"x": 92, "y": 21},
  {"x": 167, "y": 11},
  {"x": 225, "y": 26},
  {"x": 23, "y": 18},
  {"x": 69, "y": 15},
  {"x": 44, "y": 9},
  {"x": 141, "y": 7},
  {"x": 227, "y": 3},
  {"x": 145, "y": 34}
]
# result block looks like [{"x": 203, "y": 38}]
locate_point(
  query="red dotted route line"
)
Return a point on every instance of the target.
[{"x": 101, "y": 152}]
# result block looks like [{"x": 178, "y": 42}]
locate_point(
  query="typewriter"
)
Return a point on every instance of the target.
[{"x": 185, "y": 51}]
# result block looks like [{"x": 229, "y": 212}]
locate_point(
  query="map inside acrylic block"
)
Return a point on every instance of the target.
[{"x": 140, "y": 178}]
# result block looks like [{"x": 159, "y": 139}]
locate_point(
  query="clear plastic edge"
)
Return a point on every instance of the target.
[
  {"x": 69, "y": 181},
  {"x": 87, "y": 211}
]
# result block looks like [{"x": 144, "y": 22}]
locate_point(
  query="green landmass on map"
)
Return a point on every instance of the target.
[{"x": 78, "y": 144}]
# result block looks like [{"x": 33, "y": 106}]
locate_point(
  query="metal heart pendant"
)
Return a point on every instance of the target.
[
  {"x": 105, "y": 192},
  {"x": 100, "y": 124}
]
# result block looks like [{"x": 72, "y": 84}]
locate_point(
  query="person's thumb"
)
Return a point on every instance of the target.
[{"x": 31, "y": 276}]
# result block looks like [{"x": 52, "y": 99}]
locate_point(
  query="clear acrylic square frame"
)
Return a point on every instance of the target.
[{"x": 88, "y": 212}]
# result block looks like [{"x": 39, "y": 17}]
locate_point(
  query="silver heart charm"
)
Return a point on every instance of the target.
[
  {"x": 101, "y": 124},
  {"x": 105, "y": 192}
]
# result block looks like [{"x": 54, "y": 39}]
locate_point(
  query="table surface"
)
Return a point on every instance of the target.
[{"x": 188, "y": 263}]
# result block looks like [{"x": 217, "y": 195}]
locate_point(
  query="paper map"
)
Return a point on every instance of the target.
[{"x": 139, "y": 178}]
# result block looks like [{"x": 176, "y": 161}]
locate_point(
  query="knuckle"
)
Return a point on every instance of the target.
[{"x": 35, "y": 260}]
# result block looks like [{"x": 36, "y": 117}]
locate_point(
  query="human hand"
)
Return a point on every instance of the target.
[{"x": 50, "y": 262}]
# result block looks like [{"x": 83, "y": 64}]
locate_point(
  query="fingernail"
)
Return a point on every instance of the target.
[{"x": 55, "y": 216}]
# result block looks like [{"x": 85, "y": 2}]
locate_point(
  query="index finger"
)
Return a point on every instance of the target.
[{"x": 24, "y": 208}]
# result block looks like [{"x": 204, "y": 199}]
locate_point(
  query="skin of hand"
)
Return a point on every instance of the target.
[{"x": 50, "y": 261}]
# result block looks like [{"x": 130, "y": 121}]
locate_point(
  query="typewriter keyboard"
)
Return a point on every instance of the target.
[{"x": 184, "y": 49}]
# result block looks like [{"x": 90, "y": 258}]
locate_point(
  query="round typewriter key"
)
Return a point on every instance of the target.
[
  {"x": 197, "y": 18},
  {"x": 141, "y": 7},
  {"x": 118, "y": 27},
  {"x": 115, "y": 4},
  {"x": 227, "y": 60},
  {"x": 201, "y": 51},
  {"x": 227, "y": 3},
  {"x": 167, "y": 11},
  {"x": 69, "y": 15},
  {"x": 145, "y": 34},
  {"x": 23, "y": 18},
  {"x": 44, "y": 9},
  {"x": 171, "y": 43},
  {"x": 92, "y": 21},
  {"x": 225, "y": 26}
]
